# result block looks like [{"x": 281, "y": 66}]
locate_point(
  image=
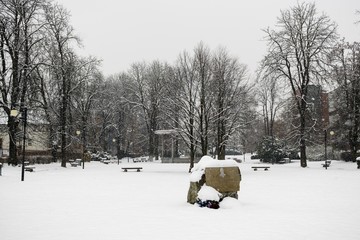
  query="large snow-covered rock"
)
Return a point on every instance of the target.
[{"x": 222, "y": 175}]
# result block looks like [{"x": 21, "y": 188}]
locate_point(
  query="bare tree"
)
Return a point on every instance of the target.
[
  {"x": 208, "y": 99},
  {"x": 346, "y": 71},
  {"x": 202, "y": 58},
  {"x": 83, "y": 94},
  {"x": 230, "y": 97},
  {"x": 183, "y": 102},
  {"x": 189, "y": 99},
  {"x": 103, "y": 115},
  {"x": 271, "y": 97},
  {"x": 296, "y": 54},
  {"x": 19, "y": 26},
  {"x": 129, "y": 129},
  {"x": 118, "y": 122},
  {"x": 148, "y": 90},
  {"x": 60, "y": 35}
]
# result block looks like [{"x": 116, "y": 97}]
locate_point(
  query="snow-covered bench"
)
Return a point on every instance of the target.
[
  {"x": 264, "y": 167},
  {"x": 326, "y": 164},
  {"x": 131, "y": 168},
  {"x": 75, "y": 163},
  {"x": 29, "y": 168}
]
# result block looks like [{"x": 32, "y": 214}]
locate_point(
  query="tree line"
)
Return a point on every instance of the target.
[
  {"x": 205, "y": 99},
  {"x": 202, "y": 100},
  {"x": 40, "y": 71}
]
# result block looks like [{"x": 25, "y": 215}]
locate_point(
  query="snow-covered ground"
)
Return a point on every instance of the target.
[{"x": 103, "y": 202}]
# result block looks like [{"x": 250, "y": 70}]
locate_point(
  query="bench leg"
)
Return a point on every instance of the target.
[
  {"x": 255, "y": 169},
  {"x": 138, "y": 170},
  {"x": 266, "y": 169}
]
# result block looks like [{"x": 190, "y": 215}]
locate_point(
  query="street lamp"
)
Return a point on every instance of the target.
[
  {"x": 82, "y": 150},
  {"x": 15, "y": 113},
  {"x": 114, "y": 141},
  {"x": 332, "y": 145}
]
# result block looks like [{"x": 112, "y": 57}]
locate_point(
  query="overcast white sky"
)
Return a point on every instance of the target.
[{"x": 121, "y": 32}]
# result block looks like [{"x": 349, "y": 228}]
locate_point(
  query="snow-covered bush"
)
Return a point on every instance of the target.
[
  {"x": 271, "y": 150},
  {"x": 315, "y": 153}
]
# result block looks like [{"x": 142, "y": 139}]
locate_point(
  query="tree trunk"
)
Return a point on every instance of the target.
[
  {"x": 221, "y": 155},
  {"x": 192, "y": 156},
  {"x": 221, "y": 140},
  {"x": 192, "y": 140},
  {"x": 63, "y": 125},
  {"x": 53, "y": 142},
  {"x": 118, "y": 147},
  {"x": 303, "y": 162},
  {"x": 84, "y": 133},
  {"x": 12, "y": 141},
  {"x": 353, "y": 143}
]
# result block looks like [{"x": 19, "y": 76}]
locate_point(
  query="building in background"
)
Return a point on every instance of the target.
[{"x": 37, "y": 137}]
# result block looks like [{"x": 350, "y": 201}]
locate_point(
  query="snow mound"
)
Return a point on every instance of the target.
[
  {"x": 209, "y": 193},
  {"x": 229, "y": 203}
]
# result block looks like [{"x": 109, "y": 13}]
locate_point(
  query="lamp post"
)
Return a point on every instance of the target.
[
  {"x": 325, "y": 146},
  {"x": 82, "y": 148},
  {"x": 332, "y": 145},
  {"x": 15, "y": 113},
  {"x": 114, "y": 141}
]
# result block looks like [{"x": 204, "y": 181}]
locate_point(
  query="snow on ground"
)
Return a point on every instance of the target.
[{"x": 103, "y": 202}]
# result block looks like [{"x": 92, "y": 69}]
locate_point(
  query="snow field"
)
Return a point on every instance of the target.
[{"x": 103, "y": 202}]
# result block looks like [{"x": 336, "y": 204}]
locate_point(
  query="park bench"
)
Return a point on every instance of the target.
[
  {"x": 326, "y": 164},
  {"x": 75, "y": 163},
  {"x": 29, "y": 168},
  {"x": 257, "y": 167},
  {"x": 142, "y": 159},
  {"x": 106, "y": 161},
  {"x": 131, "y": 168}
]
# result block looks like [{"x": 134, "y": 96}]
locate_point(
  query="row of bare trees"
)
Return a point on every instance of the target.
[
  {"x": 211, "y": 101},
  {"x": 41, "y": 72},
  {"x": 345, "y": 62},
  {"x": 304, "y": 50},
  {"x": 202, "y": 100},
  {"x": 204, "y": 97}
]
